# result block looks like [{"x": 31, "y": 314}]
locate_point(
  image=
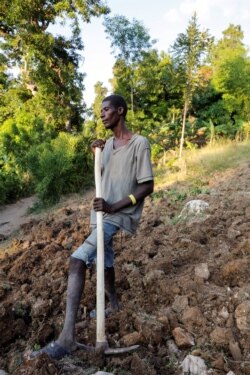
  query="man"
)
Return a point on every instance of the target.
[{"x": 126, "y": 180}]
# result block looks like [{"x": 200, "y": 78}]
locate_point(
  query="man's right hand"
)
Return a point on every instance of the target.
[{"x": 97, "y": 143}]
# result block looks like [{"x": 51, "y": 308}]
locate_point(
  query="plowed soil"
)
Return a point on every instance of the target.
[{"x": 183, "y": 283}]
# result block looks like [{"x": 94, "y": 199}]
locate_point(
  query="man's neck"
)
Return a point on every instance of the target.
[{"x": 121, "y": 132}]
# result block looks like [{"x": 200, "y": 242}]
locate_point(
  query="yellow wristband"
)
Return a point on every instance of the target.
[{"x": 133, "y": 199}]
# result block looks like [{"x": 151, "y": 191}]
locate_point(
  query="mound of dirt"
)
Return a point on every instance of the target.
[{"x": 183, "y": 284}]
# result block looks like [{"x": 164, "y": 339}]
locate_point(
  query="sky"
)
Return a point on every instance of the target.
[{"x": 164, "y": 20}]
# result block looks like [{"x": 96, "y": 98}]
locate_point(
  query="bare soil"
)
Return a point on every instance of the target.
[{"x": 183, "y": 284}]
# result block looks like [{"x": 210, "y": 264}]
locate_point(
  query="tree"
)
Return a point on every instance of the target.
[
  {"x": 188, "y": 52},
  {"x": 231, "y": 75},
  {"x": 48, "y": 64},
  {"x": 94, "y": 128},
  {"x": 130, "y": 41},
  {"x": 44, "y": 96}
]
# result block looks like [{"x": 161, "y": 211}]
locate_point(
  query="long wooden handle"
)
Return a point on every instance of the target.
[{"x": 101, "y": 340}]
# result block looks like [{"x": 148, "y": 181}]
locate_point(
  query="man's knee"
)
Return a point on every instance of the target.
[{"x": 76, "y": 265}]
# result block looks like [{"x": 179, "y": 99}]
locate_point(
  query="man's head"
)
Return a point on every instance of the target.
[{"x": 118, "y": 102}]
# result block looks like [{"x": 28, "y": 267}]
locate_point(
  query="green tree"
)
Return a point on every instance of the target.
[
  {"x": 129, "y": 41},
  {"x": 231, "y": 75},
  {"x": 94, "y": 128},
  {"x": 48, "y": 64},
  {"x": 188, "y": 52},
  {"x": 45, "y": 95}
]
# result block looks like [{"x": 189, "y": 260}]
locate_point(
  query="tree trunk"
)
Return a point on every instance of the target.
[
  {"x": 132, "y": 100},
  {"x": 183, "y": 127}
]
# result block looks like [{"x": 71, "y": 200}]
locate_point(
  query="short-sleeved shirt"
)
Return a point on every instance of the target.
[{"x": 122, "y": 170}]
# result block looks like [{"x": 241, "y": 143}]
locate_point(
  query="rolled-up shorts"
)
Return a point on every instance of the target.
[{"x": 87, "y": 251}]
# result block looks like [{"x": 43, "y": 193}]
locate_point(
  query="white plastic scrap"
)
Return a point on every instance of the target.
[{"x": 193, "y": 365}]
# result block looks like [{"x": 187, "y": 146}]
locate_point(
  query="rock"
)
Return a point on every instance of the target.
[
  {"x": 180, "y": 303},
  {"x": 193, "y": 366},
  {"x": 182, "y": 338},
  {"x": 202, "y": 271},
  {"x": 242, "y": 314},
  {"x": 193, "y": 319},
  {"x": 218, "y": 363},
  {"x": 132, "y": 338},
  {"x": 194, "y": 208},
  {"x": 103, "y": 373},
  {"x": 224, "y": 313},
  {"x": 221, "y": 336},
  {"x": 150, "y": 328},
  {"x": 235, "y": 350}
]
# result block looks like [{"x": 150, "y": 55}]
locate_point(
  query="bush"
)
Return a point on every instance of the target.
[
  {"x": 60, "y": 167},
  {"x": 13, "y": 186}
]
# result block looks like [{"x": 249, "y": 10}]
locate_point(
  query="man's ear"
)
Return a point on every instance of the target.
[{"x": 120, "y": 110}]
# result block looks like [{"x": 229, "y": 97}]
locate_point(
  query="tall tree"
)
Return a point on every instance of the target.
[
  {"x": 231, "y": 74},
  {"x": 129, "y": 41},
  {"x": 48, "y": 64},
  {"x": 188, "y": 52},
  {"x": 94, "y": 128}
]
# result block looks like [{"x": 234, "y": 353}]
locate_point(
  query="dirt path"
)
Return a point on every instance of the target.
[{"x": 12, "y": 216}]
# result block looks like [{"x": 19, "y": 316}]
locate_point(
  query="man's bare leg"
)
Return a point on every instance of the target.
[
  {"x": 110, "y": 288},
  {"x": 76, "y": 282}
]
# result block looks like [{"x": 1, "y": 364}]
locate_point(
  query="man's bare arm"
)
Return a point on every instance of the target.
[{"x": 140, "y": 193}]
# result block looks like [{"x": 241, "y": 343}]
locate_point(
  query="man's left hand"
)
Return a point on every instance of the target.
[{"x": 99, "y": 204}]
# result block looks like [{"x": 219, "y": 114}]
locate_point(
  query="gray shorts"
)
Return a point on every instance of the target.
[{"x": 87, "y": 251}]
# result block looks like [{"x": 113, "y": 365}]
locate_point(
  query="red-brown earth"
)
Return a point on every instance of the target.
[{"x": 183, "y": 284}]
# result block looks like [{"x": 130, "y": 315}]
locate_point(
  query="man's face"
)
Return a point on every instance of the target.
[{"x": 110, "y": 115}]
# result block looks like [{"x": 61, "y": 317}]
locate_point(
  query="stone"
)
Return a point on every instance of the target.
[
  {"x": 242, "y": 317},
  {"x": 235, "y": 351},
  {"x": 193, "y": 319},
  {"x": 224, "y": 313},
  {"x": 183, "y": 339},
  {"x": 194, "y": 208},
  {"x": 202, "y": 271},
  {"x": 150, "y": 328},
  {"x": 220, "y": 336},
  {"x": 132, "y": 338},
  {"x": 180, "y": 303}
]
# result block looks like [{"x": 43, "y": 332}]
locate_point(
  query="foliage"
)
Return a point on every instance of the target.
[
  {"x": 188, "y": 53},
  {"x": 231, "y": 72},
  {"x": 129, "y": 40},
  {"x": 47, "y": 65},
  {"x": 60, "y": 167},
  {"x": 199, "y": 89}
]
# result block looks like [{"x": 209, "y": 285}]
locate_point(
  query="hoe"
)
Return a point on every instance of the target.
[{"x": 101, "y": 340}]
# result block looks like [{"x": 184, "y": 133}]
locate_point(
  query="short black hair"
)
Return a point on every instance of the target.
[{"x": 117, "y": 101}]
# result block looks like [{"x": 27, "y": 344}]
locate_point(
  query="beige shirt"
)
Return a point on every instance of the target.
[{"x": 122, "y": 170}]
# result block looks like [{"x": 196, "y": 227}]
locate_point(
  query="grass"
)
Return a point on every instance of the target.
[{"x": 198, "y": 165}]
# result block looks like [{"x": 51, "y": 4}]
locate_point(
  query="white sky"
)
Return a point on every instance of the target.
[{"x": 164, "y": 19}]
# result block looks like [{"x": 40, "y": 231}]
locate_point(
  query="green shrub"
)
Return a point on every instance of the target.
[
  {"x": 13, "y": 186},
  {"x": 62, "y": 166}
]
